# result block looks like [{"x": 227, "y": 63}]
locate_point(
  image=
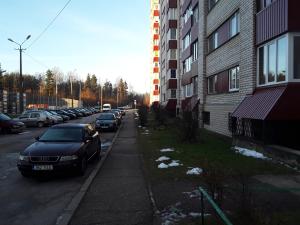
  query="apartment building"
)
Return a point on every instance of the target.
[
  {"x": 189, "y": 32},
  {"x": 239, "y": 67},
  {"x": 155, "y": 38},
  {"x": 169, "y": 53}
]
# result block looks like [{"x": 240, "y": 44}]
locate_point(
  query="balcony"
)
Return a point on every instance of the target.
[
  {"x": 172, "y": 44},
  {"x": 172, "y": 24},
  {"x": 155, "y": 48},
  {"x": 155, "y": 37},
  {"x": 155, "y": 59},
  {"x": 172, "y": 84},
  {"x": 277, "y": 18},
  {"x": 156, "y": 92},
  {"x": 156, "y": 25},
  {"x": 155, "y": 12},
  {"x": 155, "y": 81},
  {"x": 172, "y": 64},
  {"x": 155, "y": 70},
  {"x": 172, "y": 4}
]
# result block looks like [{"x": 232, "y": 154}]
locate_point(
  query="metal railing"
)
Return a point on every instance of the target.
[{"x": 214, "y": 205}]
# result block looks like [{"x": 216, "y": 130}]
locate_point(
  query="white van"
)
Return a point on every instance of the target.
[{"x": 106, "y": 107}]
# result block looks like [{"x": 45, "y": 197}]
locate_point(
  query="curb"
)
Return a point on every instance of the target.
[{"x": 68, "y": 212}]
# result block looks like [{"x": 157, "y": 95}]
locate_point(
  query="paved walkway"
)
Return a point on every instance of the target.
[{"x": 118, "y": 194}]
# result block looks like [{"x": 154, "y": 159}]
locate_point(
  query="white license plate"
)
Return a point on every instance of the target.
[{"x": 43, "y": 167}]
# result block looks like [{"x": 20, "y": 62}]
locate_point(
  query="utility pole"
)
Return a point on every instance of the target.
[
  {"x": 21, "y": 86},
  {"x": 72, "y": 91},
  {"x": 56, "y": 90},
  {"x": 80, "y": 93},
  {"x": 117, "y": 97}
]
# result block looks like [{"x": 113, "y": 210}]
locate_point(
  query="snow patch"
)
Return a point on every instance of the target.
[
  {"x": 174, "y": 163},
  {"x": 167, "y": 150},
  {"x": 195, "y": 214},
  {"x": 194, "y": 171},
  {"x": 194, "y": 194},
  {"x": 162, "y": 158},
  {"x": 163, "y": 166},
  {"x": 249, "y": 153}
]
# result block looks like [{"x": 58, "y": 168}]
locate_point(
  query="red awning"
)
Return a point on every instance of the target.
[{"x": 274, "y": 103}]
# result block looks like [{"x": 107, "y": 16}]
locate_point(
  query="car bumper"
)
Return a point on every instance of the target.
[
  {"x": 17, "y": 130},
  {"x": 57, "y": 167}
]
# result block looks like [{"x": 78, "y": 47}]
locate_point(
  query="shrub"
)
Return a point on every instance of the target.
[
  {"x": 143, "y": 115},
  {"x": 187, "y": 128}
]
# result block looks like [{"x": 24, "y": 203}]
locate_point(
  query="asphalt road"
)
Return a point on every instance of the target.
[{"x": 35, "y": 201}]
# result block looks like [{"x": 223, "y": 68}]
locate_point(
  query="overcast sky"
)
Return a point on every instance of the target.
[{"x": 108, "y": 38}]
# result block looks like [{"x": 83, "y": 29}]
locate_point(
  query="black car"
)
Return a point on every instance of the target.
[
  {"x": 8, "y": 125},
  {"x": 106, "y": 121},
  {"x": 117, "y": 115},
  {"x": 61, "y": 147}
]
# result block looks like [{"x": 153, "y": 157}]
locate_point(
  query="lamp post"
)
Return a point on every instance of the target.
[{"x": 21, "y": 77}]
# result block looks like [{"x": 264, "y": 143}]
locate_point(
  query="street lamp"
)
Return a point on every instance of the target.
[{"x": 21, "y": 77}]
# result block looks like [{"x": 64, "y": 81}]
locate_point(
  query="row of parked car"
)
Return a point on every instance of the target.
[
  {"x": 68, "y": 146},
  {"x": 42, "y": 117}
]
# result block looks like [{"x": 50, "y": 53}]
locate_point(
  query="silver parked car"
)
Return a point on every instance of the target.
[{"x": 35, "y": 119}]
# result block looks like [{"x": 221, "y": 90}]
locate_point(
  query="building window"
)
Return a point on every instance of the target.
[
  {"x": 212, "y": 81},
  {"x": 186, "y": 41},
  {"x": 212, "y": 3},
  {"x": 188, "y": 90},
  {"x": 272, "y": 62},
  {"x": 234, "y": 79},
  {"x": 172, "y": 14},
  {"x": 235, "y": 24},
  {"x": 195, "y": 15},
  {"x": 188, "y": 12},
  {"x": 172, "y": 34},
  {"x": 297, "y": 57},
  {"x": 187, "y": 64},
  {"x": 213, "y": 41},
  {"x": 195, "y": 51},
  {"x": 173, "y": 73},
  {"x": 206, "y": 117},
  {"x": 173, "y": 93}
]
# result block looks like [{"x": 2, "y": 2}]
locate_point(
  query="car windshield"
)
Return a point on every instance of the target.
[
  {"x": 4, "y": 117},
  {"x": 73, "y": 134},
  {"x": 107, "y": 116}
]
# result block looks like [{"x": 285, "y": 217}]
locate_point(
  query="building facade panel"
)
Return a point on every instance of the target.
[{"x": 220, "y": 13}]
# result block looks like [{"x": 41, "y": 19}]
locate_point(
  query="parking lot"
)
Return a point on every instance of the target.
[{"x": 36, "y": 200}]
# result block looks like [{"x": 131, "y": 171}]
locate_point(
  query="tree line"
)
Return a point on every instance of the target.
[{"x": 53, "y": 82}]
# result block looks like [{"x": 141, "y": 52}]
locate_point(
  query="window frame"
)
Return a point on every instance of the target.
[
  {"x": 237, "y": 79},
  {"x": 289, "y": 70}
]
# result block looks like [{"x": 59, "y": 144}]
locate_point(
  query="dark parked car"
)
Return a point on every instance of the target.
[
  {"x": 7, "y": 125},
  {"x": 106, "y": 121},
  {"x": 61, "y": 147},
  {"x": 117, "y": 115}
]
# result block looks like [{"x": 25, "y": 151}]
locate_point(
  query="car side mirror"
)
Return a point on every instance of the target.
[{"x": 37, "y": 138}]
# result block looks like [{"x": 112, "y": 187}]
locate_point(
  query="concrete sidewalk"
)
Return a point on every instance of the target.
[{"x": 118, "y": 194}]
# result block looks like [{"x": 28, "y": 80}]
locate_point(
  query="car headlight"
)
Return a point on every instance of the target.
[
  {"x": 68, "y": 158},
  {"x": 24, "y": 158}
]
